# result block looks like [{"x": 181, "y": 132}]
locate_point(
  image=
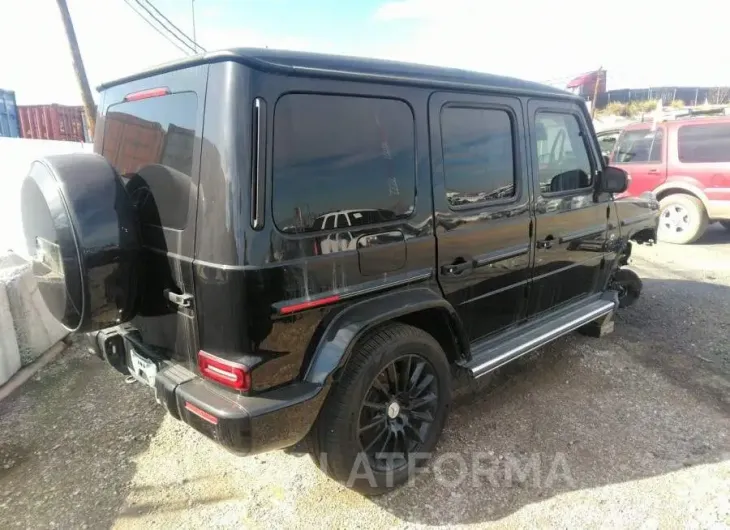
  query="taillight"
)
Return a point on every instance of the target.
[{"x": 227, "y": 373}]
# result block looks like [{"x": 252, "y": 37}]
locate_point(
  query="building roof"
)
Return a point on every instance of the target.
[{"x": 353, "y": 68}]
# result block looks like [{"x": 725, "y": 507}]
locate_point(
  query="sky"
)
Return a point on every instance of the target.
[{"x": 639, "y": 42}]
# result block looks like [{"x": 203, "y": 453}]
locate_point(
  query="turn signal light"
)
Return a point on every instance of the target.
[{"x": 230, "y": 374}]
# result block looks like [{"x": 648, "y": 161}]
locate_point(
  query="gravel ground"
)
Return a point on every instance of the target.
[{"x": 632, "y": 430}]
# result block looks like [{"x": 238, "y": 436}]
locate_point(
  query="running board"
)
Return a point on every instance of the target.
[{"x": 495, "y": 352}]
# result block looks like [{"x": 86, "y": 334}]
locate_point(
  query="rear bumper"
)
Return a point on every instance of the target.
[
  {"x": 274, "y": 419},
  {"x": 243, "y": 424},
  {"x": 718, "y": 210}
]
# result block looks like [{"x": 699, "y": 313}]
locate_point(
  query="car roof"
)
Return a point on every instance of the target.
[
  {"x": 679, "y": 122},
  {"x": 353, "y": 68}
]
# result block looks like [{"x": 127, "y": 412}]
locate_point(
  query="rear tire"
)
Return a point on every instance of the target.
[
  {"x": 725, "y": 224},
  {"x": 392, "y": 399},
  {"x": 682, "y": 219}
]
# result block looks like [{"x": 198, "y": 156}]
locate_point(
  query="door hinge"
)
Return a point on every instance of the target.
[{"x": 182, "y": 300}]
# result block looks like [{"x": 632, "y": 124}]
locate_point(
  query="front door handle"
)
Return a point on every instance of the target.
[
  {"x": 459, "y": 266},
  {"x": 653, "y": 171}
]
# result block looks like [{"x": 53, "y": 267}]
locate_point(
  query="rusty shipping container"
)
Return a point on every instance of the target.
[
  {"x": 52, "y": 122},
  {"x": 131, "y": 142}
]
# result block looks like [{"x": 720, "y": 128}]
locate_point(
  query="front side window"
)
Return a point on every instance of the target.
[
  {"x": 341, "y": 157},
  {"x": 562, "y": 156},
  {"x": 704, "y": 143},
  {"x": 478, "y": 155},
  {"x": 640, "y": 146}
]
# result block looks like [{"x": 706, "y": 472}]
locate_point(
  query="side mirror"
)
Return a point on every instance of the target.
[{"x": 614, "y": 180}]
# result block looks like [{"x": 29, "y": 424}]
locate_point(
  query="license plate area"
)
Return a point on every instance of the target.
[{"x": 143, "y": 369}]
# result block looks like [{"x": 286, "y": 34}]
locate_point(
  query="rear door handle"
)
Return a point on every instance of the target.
[{"x": 458, "y": 267}]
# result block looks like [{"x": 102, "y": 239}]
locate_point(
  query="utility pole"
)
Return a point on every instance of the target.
[
  {"x": 88, "y": 100},
  {"x": 192, "y": 6},
  {"x": 595, "y": 91}
]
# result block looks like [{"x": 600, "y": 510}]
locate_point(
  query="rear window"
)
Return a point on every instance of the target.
[
  {"x": 704, "y": 143},
  {"x": 349, "y": 156},
  {"x": 150, "y": 142}
]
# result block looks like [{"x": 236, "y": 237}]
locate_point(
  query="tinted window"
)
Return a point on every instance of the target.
[
  {"x": 640, "y": 146},
  {"x": 563, "y": 160},
  {"x": 478, "y": 155},
  {"x": 704, "y": 143},
  {"x": 337, "y": 154},
  {"x": 150, "y": 142}
]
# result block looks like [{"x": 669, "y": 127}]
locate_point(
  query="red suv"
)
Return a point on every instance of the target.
[{"x": 686, "y": 163}]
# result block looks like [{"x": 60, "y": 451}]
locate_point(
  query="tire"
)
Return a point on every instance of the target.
[
  {"x": 725, "y": 224},
  {"x": 349, "y": 422},
  {"x": 682, "y": 219},
  {"x": 82, "y": 231},
  {"x": 628, "y": 284}
]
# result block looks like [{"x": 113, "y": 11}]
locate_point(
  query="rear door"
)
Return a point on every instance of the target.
[
  {"x": 571, "y": 220},
  {"x": 643, "y": 154},
  {"x": 481, "y": 198},
  {"x": 150, "y": 133}
]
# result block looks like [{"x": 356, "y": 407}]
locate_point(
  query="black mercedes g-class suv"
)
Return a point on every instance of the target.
[{"x": 293, "y": 247}]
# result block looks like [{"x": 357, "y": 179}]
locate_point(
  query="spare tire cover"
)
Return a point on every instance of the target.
[{"x": 82, "y": 232}]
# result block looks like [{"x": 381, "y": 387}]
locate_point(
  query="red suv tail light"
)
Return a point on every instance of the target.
[{"x": 227, "y": 373}]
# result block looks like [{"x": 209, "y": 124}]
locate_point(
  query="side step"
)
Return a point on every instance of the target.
[{"x": 498, "y": 351}]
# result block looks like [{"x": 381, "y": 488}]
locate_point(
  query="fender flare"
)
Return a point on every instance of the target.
[
  {"x": 684, "y": 186},
  {"x": 343, "y": 331}
]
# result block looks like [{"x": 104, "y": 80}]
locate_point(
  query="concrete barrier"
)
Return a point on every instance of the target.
[
  {"x": 36, "y": 329},
  {"x": 9, "y": 352}
]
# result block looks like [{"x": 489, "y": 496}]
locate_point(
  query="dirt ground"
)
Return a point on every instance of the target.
[{"x": 631, "y": 430}]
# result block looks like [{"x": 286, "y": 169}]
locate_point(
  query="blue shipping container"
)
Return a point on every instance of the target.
[{"x": 9, "y": 125}]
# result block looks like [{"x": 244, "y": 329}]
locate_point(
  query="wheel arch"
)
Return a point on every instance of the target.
[
  {"x": 420, "y": 307},
  {"x": 672, "y": 187}
]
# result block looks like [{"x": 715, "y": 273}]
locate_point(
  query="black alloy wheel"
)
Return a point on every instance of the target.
[
  {"x": 397, "y": 412},
  {"x": 385, "y": 413}
]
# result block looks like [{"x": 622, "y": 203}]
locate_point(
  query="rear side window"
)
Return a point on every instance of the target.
[
  {"x": 640, "y": 147},
  {"x": 704, "y": 143},
  {"x": 562, "y": 155},
  {"x": 478, "y": 155},
  {"x": 349, "y": 156},
  {"x": 150, "y": 142}
]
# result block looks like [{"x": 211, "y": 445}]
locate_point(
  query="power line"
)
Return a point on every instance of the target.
[
  {"x": 129, "y": 3},
  {"x": 195, "y": 45},
  {"x": 192, "y": 7},
  {"x": 166, "y": 28}
]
